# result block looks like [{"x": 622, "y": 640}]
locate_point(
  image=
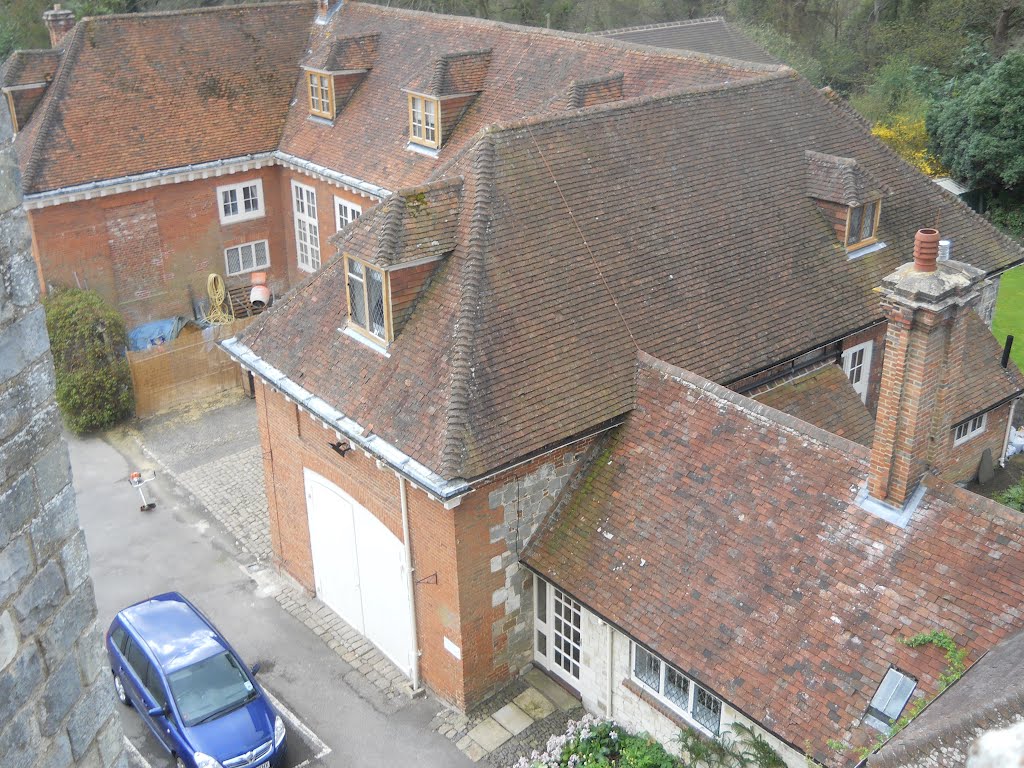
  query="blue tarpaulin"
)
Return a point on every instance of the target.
[{"x": 154, "y": 333}]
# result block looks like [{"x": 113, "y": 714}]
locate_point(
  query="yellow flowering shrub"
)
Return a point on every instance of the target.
[{"x": 907, "y": 137}]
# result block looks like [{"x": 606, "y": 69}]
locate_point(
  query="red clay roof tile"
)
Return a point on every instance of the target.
[{"x": 735, "y": 548}]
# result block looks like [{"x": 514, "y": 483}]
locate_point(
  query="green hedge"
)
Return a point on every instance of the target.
[{"x": 88, "y": 341}]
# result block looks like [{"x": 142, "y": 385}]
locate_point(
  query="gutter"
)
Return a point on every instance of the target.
[
  {"x": 183, "y": 173},
  {"x": 448, "y": 491}
]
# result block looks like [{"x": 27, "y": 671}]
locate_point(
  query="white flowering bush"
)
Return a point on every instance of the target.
[{"x": 591, "y": 742}]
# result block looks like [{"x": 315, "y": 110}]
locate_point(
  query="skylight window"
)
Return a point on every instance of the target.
[{"x": 889, "y": 700}]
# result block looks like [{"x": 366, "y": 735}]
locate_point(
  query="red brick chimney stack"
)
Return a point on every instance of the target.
[
  {"x": 59, "y": 22},
  {"x": 925, "y": 302}
]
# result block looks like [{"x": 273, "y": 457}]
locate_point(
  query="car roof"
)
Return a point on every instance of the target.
[{"x": 176, "y": 633}]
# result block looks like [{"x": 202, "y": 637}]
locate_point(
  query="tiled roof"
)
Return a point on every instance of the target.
[
  {"x": 713, "y": 36},
  {"x": 726, "y": 536},
  {"x": 989, "y": 695},
  {"x": 691, "y": 215},
  {"x": 826, "y": 399},
  {"x": 519, "y": 72},
  {"x": 839, "y": 180},
  {"x": 343, "y": 54},
  {"x": 984, "y": 381},
  {"x": 412, "y": 224},
  {"x": 144, "y": 92},
  {"x": 29, "y": 67}
]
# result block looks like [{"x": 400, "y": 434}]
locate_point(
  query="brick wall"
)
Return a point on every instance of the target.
[
  {"x": 958, "y": 463},
  {"x": 56, "y": 704},
  {"x": 471, "y": 589},
  {"x": 150, "y": 252}
]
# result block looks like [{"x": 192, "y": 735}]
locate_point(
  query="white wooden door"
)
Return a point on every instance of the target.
[
  {"x": 359, "y": 569},
  {"x": 333, "y": 543}
]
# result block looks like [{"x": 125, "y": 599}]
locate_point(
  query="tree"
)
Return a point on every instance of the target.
[
  {"x": 88, "y": 339},
  {"x": 978, "y": 131}
]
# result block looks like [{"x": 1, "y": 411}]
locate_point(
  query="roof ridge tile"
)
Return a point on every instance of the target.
[{"x": 455, "y": 451}]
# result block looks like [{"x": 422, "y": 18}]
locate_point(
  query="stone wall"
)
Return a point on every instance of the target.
[{"x": 56, "y": 705}]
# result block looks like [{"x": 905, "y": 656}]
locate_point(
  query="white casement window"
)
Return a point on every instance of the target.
[
  {"x": 240, "y": 202},
  {"x": 675, "y": 689},
  {"x": 366, "y": 298},
  {"x": 558, "y": 642},
  {"x": 969, "y": 429},
  {"x": 346, "y": 212},
  {"x": 423, "y": 121},
  {"x": 889, "y": 700},
  {"x": 857, "y": 366},
  {"x": 247, "y": 257},
  {"x": 307, "y": 230}
]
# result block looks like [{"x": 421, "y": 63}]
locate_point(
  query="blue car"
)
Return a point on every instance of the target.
[{"x": 191, "y": 688}]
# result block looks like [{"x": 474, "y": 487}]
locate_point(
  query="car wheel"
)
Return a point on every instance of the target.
[{"x": 122, "y": 695}]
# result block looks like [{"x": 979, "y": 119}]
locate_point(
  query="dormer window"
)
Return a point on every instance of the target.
[
  {"x": 861, "y": 223},
  {"x": 321, "y": 94},
  {"x": 423, "y": 127},
  {"x": 367, "y": 311}
]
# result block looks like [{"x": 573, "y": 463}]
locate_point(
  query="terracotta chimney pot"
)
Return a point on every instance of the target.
[{"x": 926, "y": 250}]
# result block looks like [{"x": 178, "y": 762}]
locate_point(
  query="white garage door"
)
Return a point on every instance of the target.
[{"x": 359, "y": 569}]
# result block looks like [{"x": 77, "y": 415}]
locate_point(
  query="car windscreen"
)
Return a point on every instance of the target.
[{"x": 210, "y": 688}]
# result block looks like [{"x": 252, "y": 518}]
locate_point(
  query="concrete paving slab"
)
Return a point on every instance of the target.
[
  {"x": 513, "y": 719},
  {"x": 564, "y": 700},
  {"x": 489, "y": 734},
  {"x": 475, "y": 752},
  {"x": 534, "y": 703}
]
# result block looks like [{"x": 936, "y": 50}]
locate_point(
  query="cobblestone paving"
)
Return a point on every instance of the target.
[{"x": 232, "y": 490}]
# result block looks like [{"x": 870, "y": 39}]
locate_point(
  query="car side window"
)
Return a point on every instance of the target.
[
  {"x": 156, "y": 686},
  {"x": 119, "y": 638},
  {"x": 137, "y": 661}
]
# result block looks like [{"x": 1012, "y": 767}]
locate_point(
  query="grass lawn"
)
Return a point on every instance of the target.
[{"x": 1009, "y": 318}]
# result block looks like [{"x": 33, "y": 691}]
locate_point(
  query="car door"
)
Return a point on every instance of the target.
[
  {"x": 139, "y": 669},
  {"x": 164, "y": 725}
]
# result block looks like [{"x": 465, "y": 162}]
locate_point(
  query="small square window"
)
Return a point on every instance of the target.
[
  {"x": 346, "y": 212},
  {"x": 647, "y": 668},
  {"x": 240, "y": 202}
]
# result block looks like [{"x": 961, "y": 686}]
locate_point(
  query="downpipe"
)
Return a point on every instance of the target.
[{"x": 410, "y": 586}]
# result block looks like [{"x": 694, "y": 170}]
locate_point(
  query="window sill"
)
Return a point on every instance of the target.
[
  {"x": 420, "y": 149},
  {"x": 864, "y": 250},
  {"x": 239, "y": 219},
  {"x": 321, "y": 120},
  {"x": 677, "y": 718},
  {"x": 308, "y": 270},
  {"x": 365, "y": 341}
]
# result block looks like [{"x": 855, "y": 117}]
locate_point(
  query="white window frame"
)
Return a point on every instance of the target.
[
  {"x": 307, "y": 227},
  {"x": 255, "y": 267},
  {"x": 969, "y": 429},
  {"x": 549, "y": 653},
  {"x": 345, "y": 212},
  {"x": 694, "y": 690},
  {"x": 857, "y": 363},
  {"x": 238, "y": 190}
]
